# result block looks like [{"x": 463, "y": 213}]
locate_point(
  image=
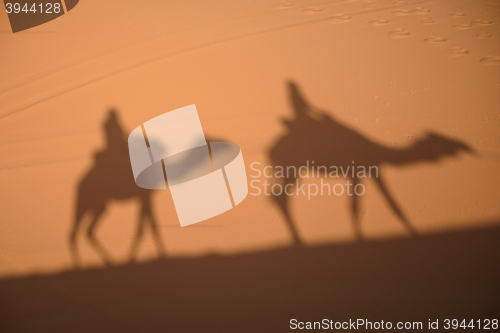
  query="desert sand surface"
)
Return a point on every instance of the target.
[{"x": 413, "y": 86}]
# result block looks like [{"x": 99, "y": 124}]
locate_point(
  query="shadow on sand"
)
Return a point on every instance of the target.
[
  {"x": 110, "y": 179},
  {"x": 446, "y": 276},
  {"x": 454, "y": 275},
  {"x": 314, "y": 136}
]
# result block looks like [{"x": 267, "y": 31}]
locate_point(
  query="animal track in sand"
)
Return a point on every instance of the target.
[
  {"x": 402, "y": 12},
  {"x": 433, "y": 40},
  {"x": 491, "y": 60},
  {"x": 481, "y": 22},
  {"x": 483, "y": 35},
  {"x": 458, "y": 51},
  {"x": 340, "y": 18},
  {"x": 462, "y": 26},
  {"x": 399, "y": 33},
  {"x": 421, "y": 11},
  {"x": 427, "y": 21},
  {"x": 283, "y": 5},
  {"x": 379, "y": 22},
  {"x": 312, "y": 10},
  {"x": 457, "y": 15}
]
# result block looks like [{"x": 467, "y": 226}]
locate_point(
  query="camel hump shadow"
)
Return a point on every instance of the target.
[{"x": 315, "y": 135}]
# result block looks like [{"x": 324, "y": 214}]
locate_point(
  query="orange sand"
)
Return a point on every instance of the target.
[{"x": 390, "y": 70}]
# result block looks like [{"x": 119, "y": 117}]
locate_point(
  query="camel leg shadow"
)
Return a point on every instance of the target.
[
  {"x": 395, "y": 207},
  {"x": 355, "y": 212},
  {"x": 283, "y": 202},
  {"x": 96, "y": 244},
  {"x": 146, "y": 216},
  {"x": 73, "y": 246}
]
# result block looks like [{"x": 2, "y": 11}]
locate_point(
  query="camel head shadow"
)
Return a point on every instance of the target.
[{"x": 315, "y": 136}]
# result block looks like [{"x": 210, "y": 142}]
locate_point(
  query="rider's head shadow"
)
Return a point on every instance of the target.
[
  {"x": 315, "y": 135},
  {"x": 113, "y": 131}
]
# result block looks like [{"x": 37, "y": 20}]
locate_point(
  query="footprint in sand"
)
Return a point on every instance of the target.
[
  {"x": 483, "y": 35},
  {"x": 402, "y": 12},
  {"x": 434, "y": 40},
  {"x": 481, "y": 22},
  {"x": 340, "y": 18},
  {"x": 312, "y": 10},
  {"x": 457, "y": 15},
  {"x": 379, "y": 22},
  {"x": 399, "y": 33},
  {"x": 491, "y": 60},
  {"x": 427, "y": 21},
  {"x": 458, "y": 51},
  {"x": 462, "y": 26},
  {"x": 283, "y": 5},
  {"x": 421, "y": 11}
]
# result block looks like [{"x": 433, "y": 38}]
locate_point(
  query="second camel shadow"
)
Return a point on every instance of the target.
[{"x": 314, "y": 135}]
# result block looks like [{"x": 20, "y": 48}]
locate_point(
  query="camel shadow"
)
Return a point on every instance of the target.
[
  {"x": 315, "y": 137},
  {"x": 111, "y": 179}
]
